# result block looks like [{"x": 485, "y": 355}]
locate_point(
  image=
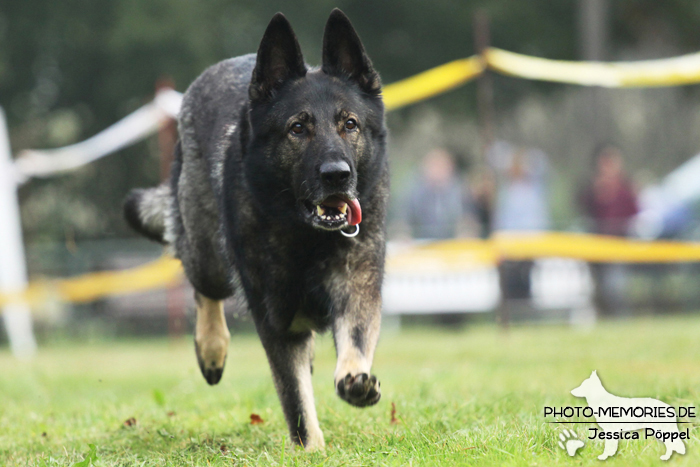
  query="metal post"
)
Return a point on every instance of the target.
[
  {"x": 485, "y": 112},
  {"x": 593, "y": 19},
  {"x": 484, "y": 85},
  {"x": 13, "y": 270},
  {"x": 485, "y": 115}
]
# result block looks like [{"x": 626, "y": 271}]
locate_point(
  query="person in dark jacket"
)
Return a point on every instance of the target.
[{"x": 609, "y": 202}]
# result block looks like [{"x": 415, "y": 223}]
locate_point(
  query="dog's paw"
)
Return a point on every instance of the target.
[
  {"x": 569, "y": 442},
  {"x": 360, "y": 390},
  {"x": 211, "y": 359}
]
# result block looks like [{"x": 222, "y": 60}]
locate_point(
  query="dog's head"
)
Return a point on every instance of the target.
[
  {"x": 317, "y": 138},
  {"x": 589, "y": 386}
]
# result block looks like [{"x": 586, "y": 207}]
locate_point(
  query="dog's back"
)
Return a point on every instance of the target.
[{"x": 186, "y": 212}]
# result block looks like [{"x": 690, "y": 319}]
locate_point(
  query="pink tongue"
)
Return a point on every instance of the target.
[
  {"x": 354, "y": 212},
  {"x": 354, "y": 209}
]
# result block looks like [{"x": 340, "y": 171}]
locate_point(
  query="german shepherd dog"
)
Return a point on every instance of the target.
[{"x": 276, "y": 168}]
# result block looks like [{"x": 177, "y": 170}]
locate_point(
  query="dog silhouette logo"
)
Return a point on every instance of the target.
[{"x": 621, "y": 418}]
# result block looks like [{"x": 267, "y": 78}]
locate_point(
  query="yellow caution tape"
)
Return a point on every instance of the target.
[
  {"x": 431, "y": 82},
  {"x": 664, "y": 72},
  {"x": 441, "y": 256},
  {"x": 594, "y": 248},
  {"x": 465, "y": 254},
  {"x": 157, "y": 274},
  {"x": 648, "y": 73}
]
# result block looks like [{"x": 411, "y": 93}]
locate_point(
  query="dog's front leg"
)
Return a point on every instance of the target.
[
  {"x": 290, "y": 358},
  {"x": 211, "y": 337},
  {"x": 356, "y": 331}
]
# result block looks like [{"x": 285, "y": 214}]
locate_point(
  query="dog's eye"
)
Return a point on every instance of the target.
[
  {"x": 297, "y": 128},
  {"x": 350, "y": 124}
]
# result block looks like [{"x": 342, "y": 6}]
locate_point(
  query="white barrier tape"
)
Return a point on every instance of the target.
[{"x": 129, "y": 130}]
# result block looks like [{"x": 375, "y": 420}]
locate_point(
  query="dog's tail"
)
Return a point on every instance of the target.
[{"x": 145, "y": 211}]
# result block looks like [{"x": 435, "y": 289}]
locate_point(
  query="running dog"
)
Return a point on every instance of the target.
[{"x": 278, "y": 191}]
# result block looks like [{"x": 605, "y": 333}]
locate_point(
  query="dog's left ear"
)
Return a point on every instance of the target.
[{"x": 344, "y": 55}]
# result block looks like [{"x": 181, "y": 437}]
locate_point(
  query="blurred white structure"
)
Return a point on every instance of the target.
[
  {"x": 661, "y": 204},
  {"x": 472, "y": 291},
  {"x": 556, "y": 283},
  {"x": 561, "y": 283},
  {"x": 13, "y": 271},
  {"x": 45, "y": 163}
]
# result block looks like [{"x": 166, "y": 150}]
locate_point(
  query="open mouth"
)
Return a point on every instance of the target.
[{"x": 335, "y": 212}]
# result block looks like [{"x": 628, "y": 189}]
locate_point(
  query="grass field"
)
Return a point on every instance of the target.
[{"x": 473, "y": 396}]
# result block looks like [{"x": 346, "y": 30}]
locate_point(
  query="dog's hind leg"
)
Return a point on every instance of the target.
[
  {"x": 211, "y": 337},
  {"x": 356, "y": 331},
  {"x": 290, "y": 358}
]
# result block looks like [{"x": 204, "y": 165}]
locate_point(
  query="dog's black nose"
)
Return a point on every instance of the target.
[{"x": 334, "y": 173}]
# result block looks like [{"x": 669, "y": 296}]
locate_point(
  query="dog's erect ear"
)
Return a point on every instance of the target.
[
  {"x": 344, "y": 55},
  {"x": 279, "y": 59}
]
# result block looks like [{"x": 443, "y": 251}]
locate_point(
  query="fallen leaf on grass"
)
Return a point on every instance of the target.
[
  {"x": 394, "y": 420},
  {"x": 131, "y": 421},
  {"x": 255, "y": 419}
]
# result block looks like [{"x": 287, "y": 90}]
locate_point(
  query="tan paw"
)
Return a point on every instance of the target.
[{"x": 211, "y": 356}]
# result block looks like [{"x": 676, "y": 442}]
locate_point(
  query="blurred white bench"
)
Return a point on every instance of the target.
[{"x": 436, "y": 285}]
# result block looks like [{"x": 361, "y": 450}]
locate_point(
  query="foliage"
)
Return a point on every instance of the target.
[{"x": 69, "y": 69}]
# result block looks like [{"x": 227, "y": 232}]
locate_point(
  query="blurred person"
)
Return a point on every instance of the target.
[
  {"x": 484, "y": 198},
  {"x": 609, "y": 200},
  {"x": 521, "y": 206},
  {"x": 436, "y": 206},
  {"x": 610, "y": 204},
  {"x": 522, "y": 202}
]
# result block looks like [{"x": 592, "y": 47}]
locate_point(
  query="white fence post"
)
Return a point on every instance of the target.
[{"x": 13, "y": 270}]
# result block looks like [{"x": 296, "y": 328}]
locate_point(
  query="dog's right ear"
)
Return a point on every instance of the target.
[{"x": 279, "y": 59}]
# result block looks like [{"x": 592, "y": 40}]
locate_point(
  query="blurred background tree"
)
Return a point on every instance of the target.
[{"x": 69, "y": 69}]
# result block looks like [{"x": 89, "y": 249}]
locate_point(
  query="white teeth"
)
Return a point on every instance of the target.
[{"x": 321, "y": 211}]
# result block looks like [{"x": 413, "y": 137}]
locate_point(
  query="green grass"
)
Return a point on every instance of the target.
[{"x": 471, "y": 397}]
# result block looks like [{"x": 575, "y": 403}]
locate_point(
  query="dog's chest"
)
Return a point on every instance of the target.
[{"x": 298, "y": 286}]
